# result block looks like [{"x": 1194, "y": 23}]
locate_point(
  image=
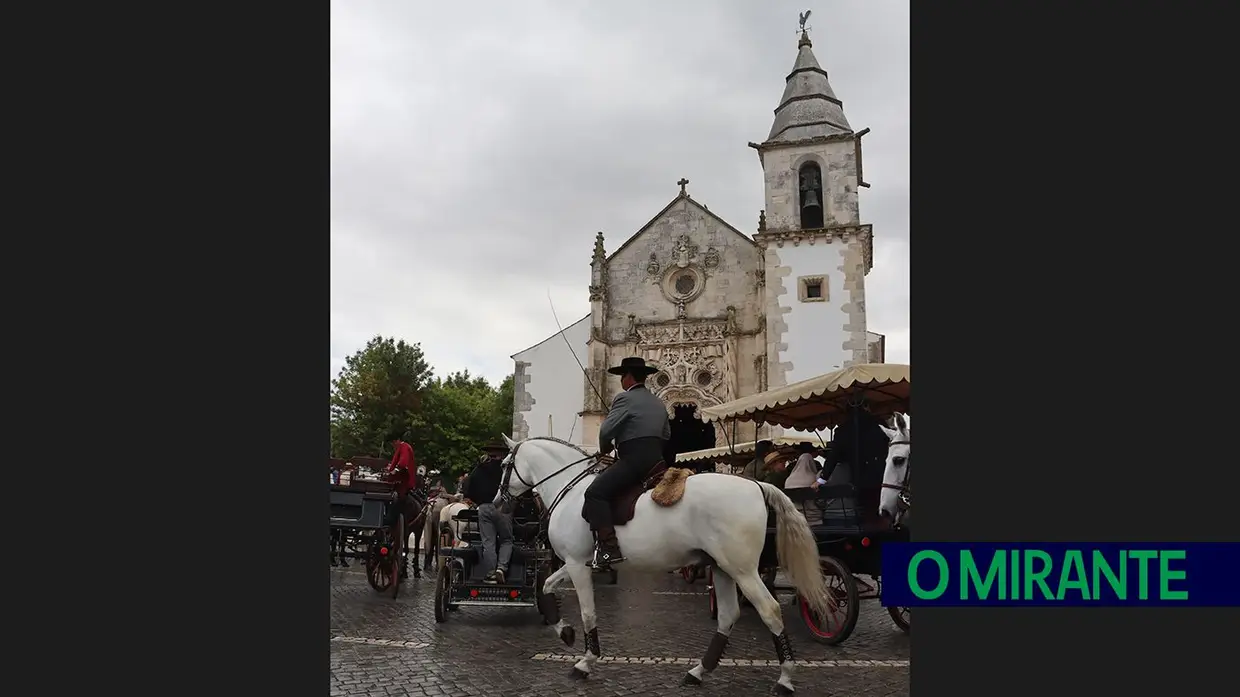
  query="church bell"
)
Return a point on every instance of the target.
[{"x": 811, "y": 200}]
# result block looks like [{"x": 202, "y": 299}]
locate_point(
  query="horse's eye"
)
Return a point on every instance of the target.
[{"x": 897, "y": 461}]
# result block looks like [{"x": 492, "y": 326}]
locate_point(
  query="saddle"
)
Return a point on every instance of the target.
[{"x": 668, "y": 487}]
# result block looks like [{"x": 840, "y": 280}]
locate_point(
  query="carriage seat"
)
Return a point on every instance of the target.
[{"x": 624, "y": 505}]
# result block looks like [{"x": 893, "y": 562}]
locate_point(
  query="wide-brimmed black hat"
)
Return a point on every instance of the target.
[
  {"x": 633, "y": 365},
  {"x": 494, "y": 447}
]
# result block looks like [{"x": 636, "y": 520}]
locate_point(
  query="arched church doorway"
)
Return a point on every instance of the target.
[{"x": 689, "y": 433}]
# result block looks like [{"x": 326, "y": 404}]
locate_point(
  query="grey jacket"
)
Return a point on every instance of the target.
[{"x": 636, "y": 413}]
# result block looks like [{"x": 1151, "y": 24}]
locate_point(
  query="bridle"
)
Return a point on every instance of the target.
[
  {"x": 905, "y": 486},
  {"x": 510, "y": 469}
]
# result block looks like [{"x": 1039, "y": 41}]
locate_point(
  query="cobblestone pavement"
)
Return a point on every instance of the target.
[{"x": 382, "y": 647}]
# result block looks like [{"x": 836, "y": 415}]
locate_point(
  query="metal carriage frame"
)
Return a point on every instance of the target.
[
  {"x": 459, "y": 581},
  {"x": 358, "y": 512},
  {"x": 849, "y": 546}
]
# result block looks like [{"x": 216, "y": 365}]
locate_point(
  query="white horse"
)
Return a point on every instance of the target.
[
  {"x": 895, "y": 501},
  {"x": 447, "y": 515},
  {"x": 721, "y": 520}
]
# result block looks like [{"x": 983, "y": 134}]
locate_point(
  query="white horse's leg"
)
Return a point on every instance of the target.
[
  {"x": 729, "y": 606},
  {"x": 583, "y": 581},
  {"x": 562, "y": 629},
  {"x": 768, "y": 608}
]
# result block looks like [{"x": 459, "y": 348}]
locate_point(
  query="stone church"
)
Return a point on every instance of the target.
[{"x": 721, "y": 313}]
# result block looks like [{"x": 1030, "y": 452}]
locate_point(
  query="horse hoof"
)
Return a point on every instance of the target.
[
  {"x": 568, "y": 635},
  {"x": 781, "y": 689},
  {"x": 691, "y": 679},
  {"x": 578, "y": 674}
]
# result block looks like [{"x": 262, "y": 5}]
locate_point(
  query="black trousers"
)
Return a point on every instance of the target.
[{"x": 636, "y": 458}]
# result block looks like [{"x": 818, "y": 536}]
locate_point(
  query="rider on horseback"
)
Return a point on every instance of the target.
[{"x": 638, "y": 426}]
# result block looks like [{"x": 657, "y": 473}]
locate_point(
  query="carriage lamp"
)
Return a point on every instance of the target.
[
  {"x": 865, "y": 542},
  {"x": 383, "y": 551},
  {"x": 514, "y": 594},
  {"x": 473, "y": 592}
]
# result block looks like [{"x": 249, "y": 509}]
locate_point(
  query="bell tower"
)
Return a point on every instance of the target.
[{"x": 816, "y": 250}]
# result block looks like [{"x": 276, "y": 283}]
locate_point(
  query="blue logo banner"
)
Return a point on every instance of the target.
[{"x": 1099, "y": 574}]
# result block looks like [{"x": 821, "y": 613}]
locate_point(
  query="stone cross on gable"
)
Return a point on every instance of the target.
[{"x": 683, "y": 183}]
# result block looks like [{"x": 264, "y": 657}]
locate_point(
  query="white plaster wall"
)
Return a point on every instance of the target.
[
  {"x": 815, "y": 335},
  {"x": 555, "y": 385}
]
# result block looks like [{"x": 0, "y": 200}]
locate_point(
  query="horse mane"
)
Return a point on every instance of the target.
[{"x": 556, "y": 440}]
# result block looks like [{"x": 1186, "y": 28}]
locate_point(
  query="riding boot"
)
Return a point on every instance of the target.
[{"x": 607, "y": 550}]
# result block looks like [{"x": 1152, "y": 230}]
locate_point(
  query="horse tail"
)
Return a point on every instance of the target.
[{"x": 797, "y": 550}]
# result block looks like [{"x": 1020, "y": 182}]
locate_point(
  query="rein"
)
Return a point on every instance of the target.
[{"x": 511, "y": 469}]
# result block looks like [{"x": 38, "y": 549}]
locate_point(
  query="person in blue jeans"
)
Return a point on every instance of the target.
[{"x": 494, "y": 523}]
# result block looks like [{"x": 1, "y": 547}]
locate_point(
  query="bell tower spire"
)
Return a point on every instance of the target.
[{"x": 816, "y": 250}]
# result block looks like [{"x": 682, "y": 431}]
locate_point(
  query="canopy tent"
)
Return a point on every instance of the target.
[
  {"x": 742, "y": 451},
  {"x": 821, "y": 402}
]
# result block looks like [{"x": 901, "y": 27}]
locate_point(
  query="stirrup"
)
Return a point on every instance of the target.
[{"x": 602, "y": 560}]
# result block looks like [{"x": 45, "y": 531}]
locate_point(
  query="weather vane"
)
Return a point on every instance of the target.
[{"x": 804, "y": 18}]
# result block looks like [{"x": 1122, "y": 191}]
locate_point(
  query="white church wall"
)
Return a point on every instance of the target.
[
  {"x": 813, "y": 342},
  {"x": 548, "y": 383}
]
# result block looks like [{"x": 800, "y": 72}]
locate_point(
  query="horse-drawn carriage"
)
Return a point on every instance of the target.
[
  {"x": 848, "y": 530},
  {"x": 460, "y": 581},
  {"x": 359, "y": 510}
]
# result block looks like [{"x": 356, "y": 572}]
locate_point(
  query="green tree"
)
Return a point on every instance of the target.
[
  {"x": 461, "y": 413},
  {"x": 379, "y": 389},
  {"x": 503, "y": 408}
]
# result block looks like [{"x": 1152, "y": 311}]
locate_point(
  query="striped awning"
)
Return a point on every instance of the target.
[{"x": 821, "y": 402}]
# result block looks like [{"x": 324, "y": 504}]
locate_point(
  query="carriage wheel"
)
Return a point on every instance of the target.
[
  {"x": 710, "y": 585},
  {"x": 844, "y": 606},
  {"x": 689, "y": 573},
  {"x": 443, "y": 590},
  {"x": 376, "y": 570},
  {"x": 396, "y": 554},
  {"x": 900, "y": 615}
]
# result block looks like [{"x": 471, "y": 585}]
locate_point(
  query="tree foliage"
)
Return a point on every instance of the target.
[{"x": 388, "y": 385}]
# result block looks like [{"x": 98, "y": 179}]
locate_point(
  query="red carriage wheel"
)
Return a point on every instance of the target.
[
  {"x": 396, "y": 559},
  {"x": 900, "y": 615},
  {"x": 689, "y": 573},
  {"x": 376, "y": 562},
  {"x": 843, "y": 604}
]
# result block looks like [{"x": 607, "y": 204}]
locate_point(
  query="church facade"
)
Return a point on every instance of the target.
[{"x": 723, "y": 314}]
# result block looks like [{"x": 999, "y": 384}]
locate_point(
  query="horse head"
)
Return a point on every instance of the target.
[
  {"x": 896, "y": 497},
  {"x": 533, "y": 461}
]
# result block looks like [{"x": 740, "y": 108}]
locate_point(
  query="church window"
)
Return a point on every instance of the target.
[
  {"x": 810, "y": 183},
  {"x": 703, "y": 378},
  {"x": 685, "y": 284},
  {"x": 662, "y": 380},
  {"x": 812, "y": 289}
]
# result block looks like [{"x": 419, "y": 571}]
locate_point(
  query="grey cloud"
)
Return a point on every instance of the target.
[{"x": 477, "y": 148}]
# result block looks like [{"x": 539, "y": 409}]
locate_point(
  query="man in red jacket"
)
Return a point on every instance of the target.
[
  {"x": 402, "y": 471},
  {"x": 402, "y": 467}
]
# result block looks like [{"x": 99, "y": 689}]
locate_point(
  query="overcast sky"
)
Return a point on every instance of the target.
[{"x": 478, "y": 146}]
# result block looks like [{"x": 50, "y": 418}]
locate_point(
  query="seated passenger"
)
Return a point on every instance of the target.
[
  {"x": 494, "y": 525},
  {"x": 755, "y": 466},
  {"x": 804, "y": 472}
]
